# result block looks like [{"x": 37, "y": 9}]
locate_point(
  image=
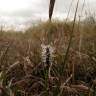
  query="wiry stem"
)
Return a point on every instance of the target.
[{"x": 70, "y": 41}]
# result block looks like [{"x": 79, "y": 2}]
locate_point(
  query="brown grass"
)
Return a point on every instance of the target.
[{"x": 24, "y": 73}]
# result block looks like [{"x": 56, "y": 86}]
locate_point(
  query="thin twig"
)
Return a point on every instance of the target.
[
  {"x": 70, "y": 41},
  {"x": 63, "y": 85}
]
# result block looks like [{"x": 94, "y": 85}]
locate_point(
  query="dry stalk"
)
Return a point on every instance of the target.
[
  {"x": 63, "y": 85},
  {"x": 82, "y": 88}
]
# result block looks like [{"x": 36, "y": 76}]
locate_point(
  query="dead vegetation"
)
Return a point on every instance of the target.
[{"x": 23, "y": 72}]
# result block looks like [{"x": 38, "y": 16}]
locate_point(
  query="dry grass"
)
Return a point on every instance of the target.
[{"x": 24, "y": 74}]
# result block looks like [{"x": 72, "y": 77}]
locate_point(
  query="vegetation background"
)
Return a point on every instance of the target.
[{"x": 53, "y": 58}]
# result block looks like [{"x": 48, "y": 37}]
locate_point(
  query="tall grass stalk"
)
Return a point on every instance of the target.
[
  {"x": 70, "y": 41},
  {"x": 69, "y": 11}
]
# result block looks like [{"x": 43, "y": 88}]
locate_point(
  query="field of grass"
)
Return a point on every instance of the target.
[{"x": 43, "y": 62}]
